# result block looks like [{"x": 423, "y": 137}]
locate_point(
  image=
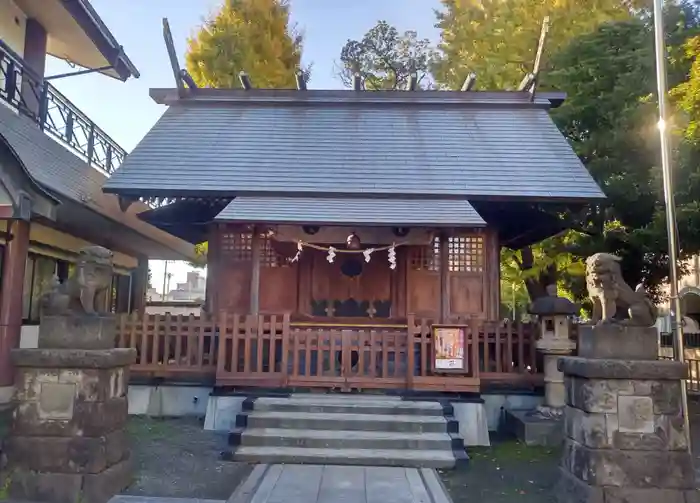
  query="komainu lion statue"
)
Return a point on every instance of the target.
[
  {"x": 92, "y": 276},
  {"x": 608, "y": 291}
]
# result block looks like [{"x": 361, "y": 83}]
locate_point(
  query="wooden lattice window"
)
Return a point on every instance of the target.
[
  {"x": 466, "y": 253},
  {"x": 237, "y": 246},
  {"x": 269, "y": 256},
  {"x": 426, "y": 258}
]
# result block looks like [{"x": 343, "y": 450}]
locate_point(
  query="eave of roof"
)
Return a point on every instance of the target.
[
  {"x": 343, "y": 211},
  {"x": 169, "y": 96},
  {"x": 93, "y": 26}
]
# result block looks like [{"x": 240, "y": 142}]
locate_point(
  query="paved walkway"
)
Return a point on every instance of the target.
[
  {"x": 328, "y": 484},
  {"x": 340, "y": 484}
]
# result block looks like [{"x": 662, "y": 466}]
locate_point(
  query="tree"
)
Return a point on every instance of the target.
[
  {"x": 610, "y": 119},
  {"x": 497, "y": 39},
  {"x": 385, "y": 59},
  {"x": 254, "y": 36}
]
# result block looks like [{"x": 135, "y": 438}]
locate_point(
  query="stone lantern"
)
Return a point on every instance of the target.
[{"x": 554, "y": 342}]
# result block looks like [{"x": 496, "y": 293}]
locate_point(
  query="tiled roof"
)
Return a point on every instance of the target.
[
  {"x": 361, "y": 144},
  {"x": 325, "y": 210}
]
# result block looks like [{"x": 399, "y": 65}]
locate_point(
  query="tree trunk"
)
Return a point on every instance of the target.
[{"x": 537, "y": 287}]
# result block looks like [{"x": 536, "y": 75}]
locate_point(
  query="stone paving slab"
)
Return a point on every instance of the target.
[
  {"x": 149, "y": 499},
  {"x": 339, "y": 484}
]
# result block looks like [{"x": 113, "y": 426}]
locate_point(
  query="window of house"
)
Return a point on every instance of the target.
[
  {"x": 465, "y": 254},
  {"x": 39, "y": 274},
  {"x": 426, "y": 258},
  {"x": 42, "y": 282}
]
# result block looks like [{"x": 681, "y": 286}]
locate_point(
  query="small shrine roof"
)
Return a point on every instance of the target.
[{"x": 349, "y": 211}]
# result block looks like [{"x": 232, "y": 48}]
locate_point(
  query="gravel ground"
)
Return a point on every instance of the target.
[
  {"x": 176, "y": 458},
  {"x": 503, "y": 473},
  {"x": 510, "y": 472}
]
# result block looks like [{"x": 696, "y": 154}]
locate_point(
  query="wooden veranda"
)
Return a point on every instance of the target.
[{"x": 273, "y": 351}]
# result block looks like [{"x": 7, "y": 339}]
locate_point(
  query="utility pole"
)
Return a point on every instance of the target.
[
  {"x": 165, "y": 279},
  {"x": 676, "y": 314}
]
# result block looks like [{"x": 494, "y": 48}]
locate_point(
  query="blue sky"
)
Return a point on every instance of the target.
[{"x": 126, "y": 112}]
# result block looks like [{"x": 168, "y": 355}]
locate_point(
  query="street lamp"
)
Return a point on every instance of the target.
[{"x": 676, "y": 315}]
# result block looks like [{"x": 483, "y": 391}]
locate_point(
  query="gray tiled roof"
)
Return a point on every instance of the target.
[
  {"x": 509, "y": 150},
  {"x": 48, "y": 162},
  {"x": 325, "y": 210}
]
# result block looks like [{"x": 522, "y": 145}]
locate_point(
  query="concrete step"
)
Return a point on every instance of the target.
[
  {"x": 340, "y": 439},
  {"x": 354, "y": 422},
  {"x": 342, "y": 405},
  {"x": 371, "y": 457}
]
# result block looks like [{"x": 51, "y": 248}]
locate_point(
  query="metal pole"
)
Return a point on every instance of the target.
[{"x": 676, "y": 314}]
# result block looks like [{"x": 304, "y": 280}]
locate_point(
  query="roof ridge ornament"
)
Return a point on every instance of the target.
[
  {"x": 529, "y": 82},
  {"x": 172, "y": 55}
]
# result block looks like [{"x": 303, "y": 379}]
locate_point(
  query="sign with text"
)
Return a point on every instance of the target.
[{"x": 448, "y": 348}]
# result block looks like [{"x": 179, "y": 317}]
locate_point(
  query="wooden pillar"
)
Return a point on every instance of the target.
[
  {"x": 444, "y": 277},
  {"x": 14, "y": 264},
  {"x": 255, "y": 276},
  {"x": 35, "y": 42},
  {"x": 213, "y": 283}
]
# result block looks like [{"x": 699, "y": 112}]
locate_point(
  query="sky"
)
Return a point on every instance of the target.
[{"x": 125, "y": 110}]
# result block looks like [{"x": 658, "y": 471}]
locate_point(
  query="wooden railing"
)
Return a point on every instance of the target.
[
  {"x": 273, "y": 351},
  {"x": 170, "y": 346},
  {"x": 28, "y": 93}
]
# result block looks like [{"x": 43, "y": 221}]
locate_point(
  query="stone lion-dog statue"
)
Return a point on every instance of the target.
[
  {"x": 76, "y": 295},
  {"x": 608, "y": 291}
]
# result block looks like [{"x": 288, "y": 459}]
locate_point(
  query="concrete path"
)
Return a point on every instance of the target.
[
  {"x": 327, "y": 484},
  {"x": 340, "y": 484}
]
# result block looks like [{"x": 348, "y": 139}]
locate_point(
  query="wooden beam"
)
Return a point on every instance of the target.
[
  {"x": 444, "y": 278},
  {"x": 538, "y": 58},
  {"x": 469, "y": 82},
  {"x": 245, "y": 81},
  {"x": 255, "y": 276},
  {"x": 172, "y": 54}
]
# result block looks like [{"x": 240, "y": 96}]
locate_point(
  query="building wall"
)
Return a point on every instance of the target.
[
  {"x": 12, "y": 25},
  {"x": 351, "y": 287}
]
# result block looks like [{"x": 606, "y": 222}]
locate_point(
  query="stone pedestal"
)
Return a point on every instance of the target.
[
  {"x": 67, "y": 442},
  {"x": 623, "y": 424},
  {"x": 543, "y": 426}
]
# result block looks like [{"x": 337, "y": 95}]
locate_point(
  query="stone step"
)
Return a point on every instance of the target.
[
  {"x": 342, "y": 439},
  {"x": 370, "y": 457},
  {"x": 354, "y": 422},
  {"x": 342, "y": 405}
]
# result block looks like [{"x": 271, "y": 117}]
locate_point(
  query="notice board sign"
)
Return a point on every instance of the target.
[{"x": 449, "y": 348}]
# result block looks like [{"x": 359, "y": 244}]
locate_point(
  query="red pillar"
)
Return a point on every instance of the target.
[{"x": 14, "y": 263}]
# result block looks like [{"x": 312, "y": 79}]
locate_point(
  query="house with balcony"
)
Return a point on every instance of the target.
[{"x": 54, "y": 161}]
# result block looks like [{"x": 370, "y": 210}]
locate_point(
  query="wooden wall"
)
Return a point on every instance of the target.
[{"x": 457, "y": 276}]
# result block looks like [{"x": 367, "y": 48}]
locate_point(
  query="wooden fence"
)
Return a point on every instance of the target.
[{"x": 273, "y": 351}]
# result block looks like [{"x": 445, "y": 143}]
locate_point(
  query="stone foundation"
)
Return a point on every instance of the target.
[
  {"x": 67, "y": 441},
  {"x": 624, "y": 433}
]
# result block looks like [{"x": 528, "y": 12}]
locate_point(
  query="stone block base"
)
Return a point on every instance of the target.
[
  {"x": 68, "y": 331},
  {"x": 534, "y": 430},
  {"x": 624, "y": 434},
  {"x": 616, "y": 341},
  {"x": 70, "y": 487},
  {"x": 569, "y": 489}
]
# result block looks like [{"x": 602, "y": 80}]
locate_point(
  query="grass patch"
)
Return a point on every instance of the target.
[
  {"x": 512, "y": 450},
  {"x": 143, "y": 428}
]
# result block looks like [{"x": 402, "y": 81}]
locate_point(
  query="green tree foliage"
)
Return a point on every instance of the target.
[
  {"x": 386, "y": 58},
  {"x": 610, "y": 119},
  {"x": 497, "y": 39},
  {"x": 254, "y": 36}
]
